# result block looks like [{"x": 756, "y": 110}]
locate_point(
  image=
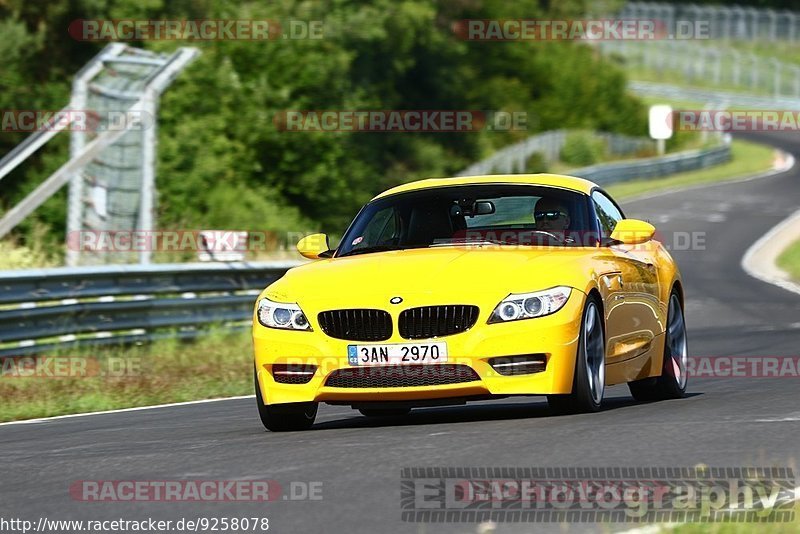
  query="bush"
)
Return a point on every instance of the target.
[
  {"x": 536, "y": 163},
  {"x": 582, "y": 148}
]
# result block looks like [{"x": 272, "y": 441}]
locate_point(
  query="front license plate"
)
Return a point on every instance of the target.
[{"x": 397, "y": 354}]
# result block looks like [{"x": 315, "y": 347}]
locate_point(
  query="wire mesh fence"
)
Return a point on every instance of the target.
[
  {"x": 721, "y": 21},
  {"x": 700, "y": 64}
]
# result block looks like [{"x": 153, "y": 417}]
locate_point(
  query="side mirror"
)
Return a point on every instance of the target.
[
  {"x": 311, "y": 246},
  {"x": 633, "y": 232}
]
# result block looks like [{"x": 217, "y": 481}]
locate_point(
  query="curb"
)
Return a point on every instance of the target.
[{"x": 760, "y": 259}]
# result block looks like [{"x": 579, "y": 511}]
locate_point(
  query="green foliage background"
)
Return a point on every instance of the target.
[{"x": 222, "y": 162}]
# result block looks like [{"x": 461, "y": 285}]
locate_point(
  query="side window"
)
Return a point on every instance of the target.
[{"x": 608, "y": 215}]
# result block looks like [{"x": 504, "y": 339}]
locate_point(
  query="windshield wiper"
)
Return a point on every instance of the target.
[
  {"x": 469, "y": 242},
  {"x": 367, "y": 250}
]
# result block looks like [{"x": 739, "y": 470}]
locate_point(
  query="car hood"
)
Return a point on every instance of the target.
[{"x": 432, "y": 275}]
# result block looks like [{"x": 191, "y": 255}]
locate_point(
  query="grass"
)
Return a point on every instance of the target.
[
  {"x": 789, "y": 260},
  {"x": 784, "y": 527},
  {"x": 747, "y": 158},
  {"x": 37, "y": 254},
  {"x": 736, "y": 528},
  {"x": 219, "y": 365}
]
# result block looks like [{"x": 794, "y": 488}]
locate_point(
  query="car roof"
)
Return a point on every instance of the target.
[{"x": 552, "y": 180}]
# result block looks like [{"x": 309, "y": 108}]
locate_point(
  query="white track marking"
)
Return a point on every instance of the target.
[
  {"x": 338, "y": 414},
  {"x": 652, "y": 529},
  {"x": 759, "y": 260},
  {"x": 123, "y": 410}
]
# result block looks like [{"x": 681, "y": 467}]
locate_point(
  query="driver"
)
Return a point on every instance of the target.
[{"x": 551, "y": 216}]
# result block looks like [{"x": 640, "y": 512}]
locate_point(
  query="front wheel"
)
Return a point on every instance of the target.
[
  {"x": 285, "y": 417},
  {"x": 589, "y": 380},
  {"x": 671, "y": 383}
]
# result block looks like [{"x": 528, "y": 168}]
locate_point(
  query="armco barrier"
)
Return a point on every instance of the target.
[
  {"x": 609, "y": 173},
  {"x": 48, "y": 309}
]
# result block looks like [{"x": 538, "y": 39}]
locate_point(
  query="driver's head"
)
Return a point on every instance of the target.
[{"x": 551, "y": 215}]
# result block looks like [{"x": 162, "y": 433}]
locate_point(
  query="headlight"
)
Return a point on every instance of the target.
[
  {"x": 281, "y": 315},
  {"x": 530, "y": 305}
]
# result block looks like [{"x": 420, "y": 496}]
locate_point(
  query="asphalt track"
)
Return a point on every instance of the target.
[{"x": 725, "y": 422}]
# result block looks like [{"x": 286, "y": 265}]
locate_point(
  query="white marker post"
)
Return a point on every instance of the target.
[{"x": 660, "y": 122}]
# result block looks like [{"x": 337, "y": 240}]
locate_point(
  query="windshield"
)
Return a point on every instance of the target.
[{"x": 471, "y": 214}]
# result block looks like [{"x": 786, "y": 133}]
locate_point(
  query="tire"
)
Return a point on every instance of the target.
[
  {"x": 672, "y": 382},
  {"x": 285, "y": 417},
  {"x": 384, "y": 412},
  {"x": 588, "y": 383}
]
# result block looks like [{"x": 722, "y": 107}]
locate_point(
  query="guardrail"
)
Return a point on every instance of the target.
[
  {"x": 51, "y": 309},
  {"x": 610, "y": 173},
  {"x": 514, "y": 158}
]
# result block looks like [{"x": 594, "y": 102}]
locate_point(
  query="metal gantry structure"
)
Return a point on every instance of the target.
[{"x": 111, "y": 170}]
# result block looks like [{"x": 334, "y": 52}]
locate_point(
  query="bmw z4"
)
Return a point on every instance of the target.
[{"x": 448, "y": 290}]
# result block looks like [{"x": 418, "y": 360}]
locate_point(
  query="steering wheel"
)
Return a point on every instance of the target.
[{"x": 551, "y": 235}]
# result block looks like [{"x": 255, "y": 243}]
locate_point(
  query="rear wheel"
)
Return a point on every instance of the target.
[
  {"x": 671, "y": 384},
  {"x": 284, "y": 417},
  {"x": 589, "y": 379},
  {"x": 384, "y": 412}
]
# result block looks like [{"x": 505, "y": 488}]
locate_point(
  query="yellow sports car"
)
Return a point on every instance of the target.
[{"x": 447, "y": 290}]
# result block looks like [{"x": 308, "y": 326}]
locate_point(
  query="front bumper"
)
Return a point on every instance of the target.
[{"x": 555, "y": 336}]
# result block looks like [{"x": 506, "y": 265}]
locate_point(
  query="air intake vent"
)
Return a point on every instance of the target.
[
  {"x": 356, "y": 324},
  {"x": 519, "y": 365},
  {"x": 401, "y": 376},
  {"x": 437, "y": 321},
  {"x": 293, "y": 374}
]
